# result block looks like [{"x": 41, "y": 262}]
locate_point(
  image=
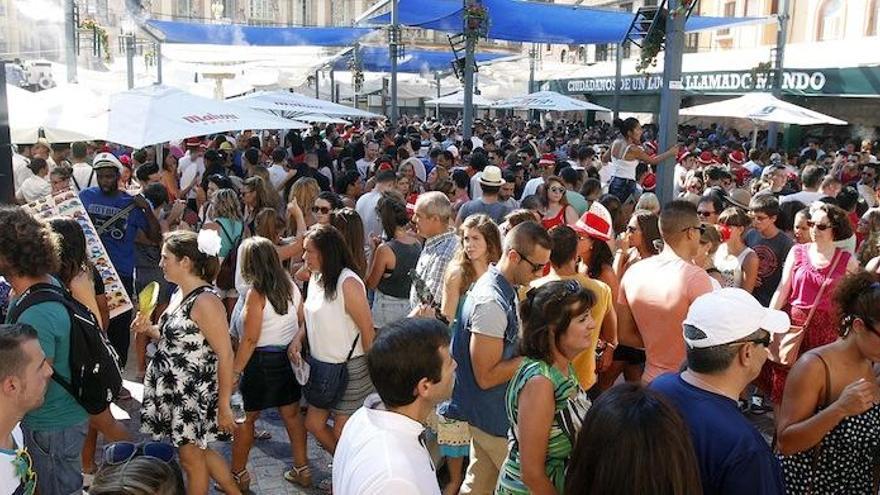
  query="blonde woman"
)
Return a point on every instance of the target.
[
  {"x": 305, "y": 191},
  {"x": 226, "y": 212}
]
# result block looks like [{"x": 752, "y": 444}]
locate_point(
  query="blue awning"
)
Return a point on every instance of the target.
[
  {"x": 236, "y": 34},
  {"x": 516, "y": 20},
  {"x": 376, "y": 59}
]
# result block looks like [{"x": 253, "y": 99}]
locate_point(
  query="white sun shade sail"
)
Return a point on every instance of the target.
[
  {"x": 548, "y": 101},
  {"x": 158, "y": 114},
  {"x": 761, "y": 107},
  {"x": 292, "y": 105},
  {"x": 457, "y": 100}
]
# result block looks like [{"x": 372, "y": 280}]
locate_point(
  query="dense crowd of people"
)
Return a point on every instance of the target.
[{"x": 511, "y": 313}]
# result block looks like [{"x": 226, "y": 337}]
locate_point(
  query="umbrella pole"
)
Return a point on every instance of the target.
[{"x": 755, "y": 136}]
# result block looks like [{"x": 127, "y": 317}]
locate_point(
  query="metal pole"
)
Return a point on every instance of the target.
[
  {"x": 332, "y": 86},
  {"x": 392, "y": 50},
  {"x": 469, "y": 47},
  {"x": 158, "y": 63},
  {"x": 670, "y": 98},
  {"x": 70, "y": 35},
  {"x": 354, "y": 89},
  {"x": 618, "y": 69},
  {"x": 437, "y": 105},
  {"x": 7, "y": 182},
  {"x": 781, "y": 35},
  {"x": 533, "y": 55},
  {"x": 129, "y": 59},
  {"x": 318, "y": 83}
]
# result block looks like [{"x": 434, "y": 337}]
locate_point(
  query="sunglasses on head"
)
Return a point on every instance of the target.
[
  {"x": 121, "y": 452},
  {"x": 321, "y": 209},
  {"x": 821, "y": 226}
]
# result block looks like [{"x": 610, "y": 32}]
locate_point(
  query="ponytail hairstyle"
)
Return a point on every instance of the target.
[
  {"x": 182, "y": 243},
  {"x": 858, "y": 296},
  {"x": 626, "y": 126}
]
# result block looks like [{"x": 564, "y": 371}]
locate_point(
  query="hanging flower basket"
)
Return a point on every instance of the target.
[
  {"x": 653, "y": 42},
  {"x": 476, "y": 20},
  {"x": 100, "y": 34}
]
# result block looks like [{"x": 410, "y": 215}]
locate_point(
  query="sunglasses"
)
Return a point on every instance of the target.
[
  {"x": 23, "y": 465},
  {"x": 821, "y": 226},
  {"x": 535, "y": 266},
  {"x": 764, "y": 341},
  {"x": 121, "y": 452},
  {"x": 323, "y": 210},
  {"x": 701, "y": 228},
  {"x": 557, "y": 189}
]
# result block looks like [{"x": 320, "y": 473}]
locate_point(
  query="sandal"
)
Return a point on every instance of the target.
[
  {"x": 242, "y": 480},
  {"x": 262, "y": 435},
  {"x": 301, "y": 476}
]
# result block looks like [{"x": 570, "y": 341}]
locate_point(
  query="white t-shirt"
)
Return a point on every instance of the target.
[
  {"x": 84, "y": 175},
  {"x": 476, "y": 189},
  {"x": 805, "y": 197},
  {"x": 8, "y": 480},
  {"x": 20, "y": 170},
  {"x": 364, "y": 167},
  {"x": 331, "y": 330},
  {"x": 189, "y": 169},
  {"x": 380, "y": 453},
  {"x": 532, "y": 186},
  {"x": 366, "y": 208},
  {"x": 277, "y": 174},
  {"x": 34, "y": 188}
]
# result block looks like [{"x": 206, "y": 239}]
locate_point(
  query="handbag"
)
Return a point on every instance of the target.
[
  {"x": 785, "y": 347},
  {"x": 327, "y": 381}
]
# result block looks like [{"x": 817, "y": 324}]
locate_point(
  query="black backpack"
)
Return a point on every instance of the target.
[{"x": 95, "y": 377}]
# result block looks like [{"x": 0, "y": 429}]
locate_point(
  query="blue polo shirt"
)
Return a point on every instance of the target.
[
  {"x": 734, "y": 458},
  {"x": 119, "y": 237}
]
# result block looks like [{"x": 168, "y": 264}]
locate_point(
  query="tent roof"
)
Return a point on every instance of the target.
[
  {"x": 237, "y": 34},
  {"x": 516, "y": 20},
  {"x": 377, "y": 59},
  {"x": 293, "y": 105},
  {"x": 457, "y": 99},
  {"x": 549, "y": 100}
]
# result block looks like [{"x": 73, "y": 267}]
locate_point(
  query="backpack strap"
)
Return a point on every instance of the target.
[
  {"x": 37, "y": 294},
  {"x": 101, "y": 229}
]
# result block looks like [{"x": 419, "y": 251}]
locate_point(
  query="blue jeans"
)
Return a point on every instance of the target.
[
  {"x": 624, "y": 189},
  {"x": 56, "y": 455}
]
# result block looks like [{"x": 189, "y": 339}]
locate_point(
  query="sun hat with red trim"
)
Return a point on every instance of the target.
[
  {"x": 596, "y": 222},
  {"x": 651, "y": 148},
  {"x": 706, "y": 158},
  {"x": 547, "y": 160},
  {"x": 737, "y": 157},
  {"x": 682, "y": 155},
  {"x": 194, "y": 142}
]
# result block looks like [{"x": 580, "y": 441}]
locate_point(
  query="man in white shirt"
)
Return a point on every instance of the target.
[
  {"x": 83, "y": 173},
  {"x": 277, "y": 172},
  {"x": 365, "y": 165},
  {"x": 811, "y": 179},
  {"x": 36, "y": 186},
  {"x": 24, "y": 374},
  {"x": 381, "y": 450},
  {"x": 366, "y": 206},
  {"x": 191, "y": 167},
  {"x": 548, "y": 165},
  {"x": 20, "y": 170}
]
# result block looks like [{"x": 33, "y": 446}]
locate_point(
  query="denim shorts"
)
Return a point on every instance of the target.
[
  {"x": 624, "y": 189},
  {"x": 56, "y": 455}
]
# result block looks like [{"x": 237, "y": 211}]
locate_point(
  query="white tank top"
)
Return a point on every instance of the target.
[
  {"x": 625, "y": 169},
  {"x": 330, "y": 329},
  {"x": 730, "y": 266},
  {"x": 279, "y": 330}
]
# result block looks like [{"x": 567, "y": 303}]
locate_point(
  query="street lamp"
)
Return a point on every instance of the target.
[{"x": 128, "y": 36}]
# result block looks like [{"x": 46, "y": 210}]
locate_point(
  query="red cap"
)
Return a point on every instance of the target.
[
  {"x": 649, "y": 181},
  {"x": 547, "y": 159},
  {"x": 651, "y": 147},
  {"x": 194, "y": 142},
  {"x": 596, "y": 222},
  {"x": 737, "y": 157},
  {"x": 706, "y": 158}
]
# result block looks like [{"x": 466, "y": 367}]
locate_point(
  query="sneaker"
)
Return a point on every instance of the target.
[{"x": 758, "y": 406}]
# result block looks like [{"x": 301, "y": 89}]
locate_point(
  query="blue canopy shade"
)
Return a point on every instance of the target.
[
  {"x": 376, "y": 59},
  {"x": 236, "y": 34},
  {"x": 534, "y": 22}
]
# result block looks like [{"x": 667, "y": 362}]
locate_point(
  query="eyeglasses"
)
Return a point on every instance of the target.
[
  {"x": 557, "y": 189},
  {"x": 121, "y": 452},
  {"x": 758, "y": 217},
  {"x": 705, "y": 214},
  {"x": 535, "y": 266},
  {"x": 23, "y": 465},
  {"x": 701, "y": 228},
  {"x": 323, "y": 210},
  {"x": 821, "y": 226}
]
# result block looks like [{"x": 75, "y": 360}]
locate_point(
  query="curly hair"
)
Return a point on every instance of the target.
[
  {"x": 870, "y": 248},
  {"x": 28, "y": 247},
  {"x": 840, "y": 226},
  {"x": 857, "y": 296},
  {"x": 226, "y": 205},
  {"x": 72, "y": 243}
]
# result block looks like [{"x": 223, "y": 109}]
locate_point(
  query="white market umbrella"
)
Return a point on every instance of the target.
[
  {"x": 317, "y": 117},
  {"x": 548, "y": 101},
  {"x": 457, "y": 100},
  {"x": 158, "y": 114},
  {"x": 761, "y": 107},
  {"x": 292, "y": 105},
  {"x": 33, "y": 114}
]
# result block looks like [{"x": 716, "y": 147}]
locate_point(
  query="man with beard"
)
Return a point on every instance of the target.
[{"x": 118, "y": 217}]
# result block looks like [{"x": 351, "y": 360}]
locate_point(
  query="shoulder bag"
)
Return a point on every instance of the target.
[{"x": 327, "y": 381}]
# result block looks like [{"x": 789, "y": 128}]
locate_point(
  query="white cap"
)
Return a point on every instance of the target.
[
  {"x": 731, "y": 314},
  {"x": 106, "y": 160}
]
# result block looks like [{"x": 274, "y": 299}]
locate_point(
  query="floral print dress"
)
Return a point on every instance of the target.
[{"x": 181, "y": 387}]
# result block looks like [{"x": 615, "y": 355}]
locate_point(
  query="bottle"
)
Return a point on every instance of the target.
[{"x": 237, "y": 404}]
